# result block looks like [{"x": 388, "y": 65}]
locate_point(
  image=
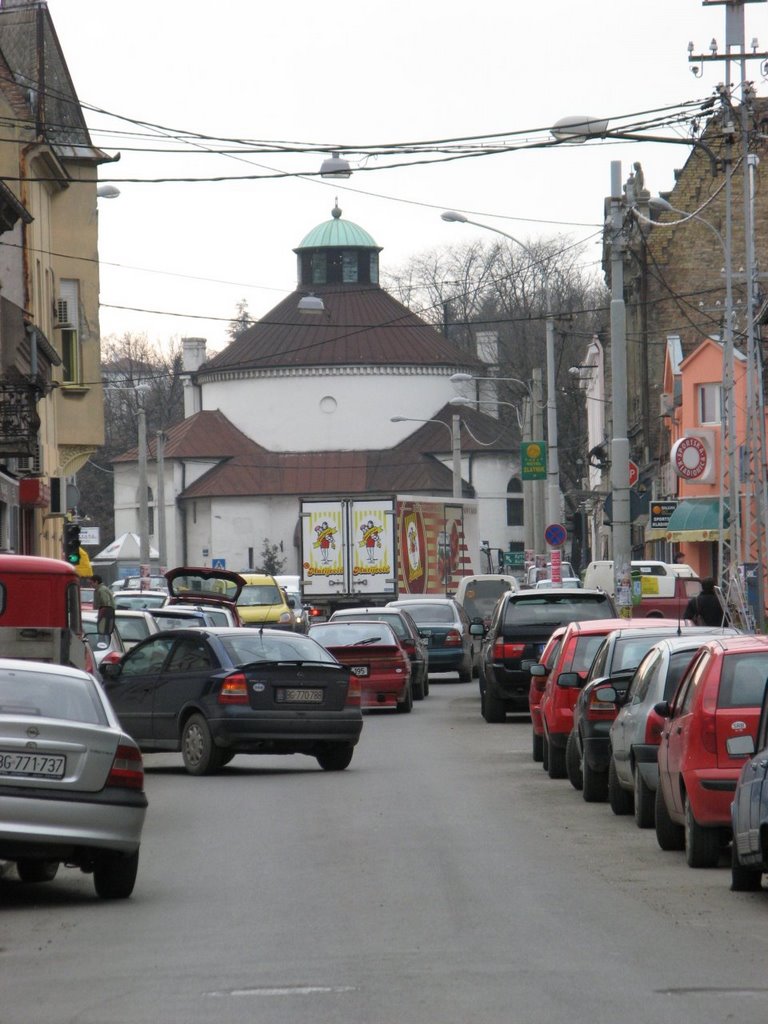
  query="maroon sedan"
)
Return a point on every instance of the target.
[{"x": 373, "y": 653}]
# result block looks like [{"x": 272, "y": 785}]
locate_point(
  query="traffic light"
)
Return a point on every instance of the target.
[{"x": 72, "y": 543}]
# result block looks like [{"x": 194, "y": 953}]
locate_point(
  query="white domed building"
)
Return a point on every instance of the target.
[{"x": 319, "y": 399}]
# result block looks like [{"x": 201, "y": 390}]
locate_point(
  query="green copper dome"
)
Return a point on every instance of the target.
[{"x": 337, "y": 233}]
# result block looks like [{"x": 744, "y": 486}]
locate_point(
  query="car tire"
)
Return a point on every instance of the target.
[
  {"x": 426, "y": 683},
  {"x": 620, "y": 799},
  {"x": 556, "y": 767},
  {"x": 201, "y": 756},
  {"x": 466, "y": 672},
  {"x": 405, "y": 706},
  {"x": 537, "y": 747},
  {"x": 336, "y": 758},
  {"x": 418, "y": 691},
  {"x": 645, "y": 799},
  {"x": 37, "y": 870},
  {"x": 594, "y": 784},
  {"x": 744, "y": 877},
  {"x": 573, "y": 763},
  {"x": 493, "y": 709},
  {"x": 669, "y": 835},
  {"x": 114, "y": 874},
  {"x": 702, "y": 845}
]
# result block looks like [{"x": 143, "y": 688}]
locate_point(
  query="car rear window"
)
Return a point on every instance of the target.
[
  {"x": 743, "y": 680},
  {"x": 349, "y": 634},
  {"x": 480, "y": 597},
  {"x": 431, "y": 612},
  {"x": 132, "y": 629},
  {"x": 253, "y": 645},
  {"x": 394, "y": 620},
  {"x": 678, "y": 663},
  {"x": 629, "y": 652},
  {"x": 584, "y": 655},
  {"x": 543, "y": 608},
  {"x": 50, "y": 696}
]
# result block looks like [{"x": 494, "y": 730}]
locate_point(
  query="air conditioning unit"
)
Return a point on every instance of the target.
[{"x": 62, "y": 314}]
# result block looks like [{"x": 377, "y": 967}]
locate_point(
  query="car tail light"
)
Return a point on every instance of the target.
[
  {"x": 409, "y": 646},
  {"x": 353, "y": 692},
  {"x": 111, "y": 658},
  {"x": 502, "y": 651},
  {"x": 127, "y": 768},
  {"x": 314, "y": 612},
  {"x": 453, "y": 638},
  {"x": 708, "y": 733},
  {"x": 654, "y": 726},
  {"x": 600, "y": 710},
  {"x": 234, "y": 689},
  {"x": 90, "y": 661}
]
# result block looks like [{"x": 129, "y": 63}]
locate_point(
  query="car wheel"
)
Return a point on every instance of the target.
[
  {"x": 573, "y": 762},
  {"x": 465, "y": 672},
  {"x": 114, "y": 874},
  {"x": 594, "y": 784},
  {"x": 37, "y": 870},
  {"x": 493, "y": 709},
  {"x": 426, "y": 683},
  {"x": 418, "y": 690},
  {"x": 537, "y": 752},
  {"x": 645, "y": 799},
  {"x": 556, "y": 767},
  {"x": 620, "y": 799},
  {"x": 405, "y": 706},
  {"x": 702, "y": 845},
  {"x": 744, "y": 878},
  {"x": 336, "y": 758},
  {"x": 201, "y": 756},
  {"x": 669, "y": 835}
]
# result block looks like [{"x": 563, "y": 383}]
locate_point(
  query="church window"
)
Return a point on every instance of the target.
[{"x": 515, "y": 502}]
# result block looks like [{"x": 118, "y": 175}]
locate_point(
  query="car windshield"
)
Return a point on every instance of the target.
[
  {"x": 132, "y": 628},
  {"x": 171, "y": 620},
  {"x": 629, "y": 652},
  {"x": 50, "y": 696},
  {"x": 192, "y": 585},
  {"x": 253, "y": 645},
  {"x": 348, "y": 634},
  {"x": 257, "y": 594},
  {"x": 139, "y": 600},
  {"x": 544, "y": 607},
  {"x": 426, "y": 612}
]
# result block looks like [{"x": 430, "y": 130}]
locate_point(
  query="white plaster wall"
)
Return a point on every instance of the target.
[
  {"x": 227, "y": 527},
  {"x": 329, "y": 412},
  {"x": 490, "y": 476}
]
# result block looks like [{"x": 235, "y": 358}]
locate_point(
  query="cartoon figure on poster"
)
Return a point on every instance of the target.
[
  {"x": 448, "y": 552},
  {"x": 325, "y": 540},
  {"x": 371, "y": 539}
]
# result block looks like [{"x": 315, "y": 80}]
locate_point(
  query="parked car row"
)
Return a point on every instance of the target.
[{"x": 667, "y": 723}]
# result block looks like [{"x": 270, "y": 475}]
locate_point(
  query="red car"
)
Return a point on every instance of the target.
[
  {"x": 577, "y": 652},
  {"x": 539, "y": 673},
  {"x": 373, "y": 654},
  {"x": 718, "y": 701}
]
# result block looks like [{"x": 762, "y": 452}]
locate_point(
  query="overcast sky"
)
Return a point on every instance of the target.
[{"x": 357, "y": 75}]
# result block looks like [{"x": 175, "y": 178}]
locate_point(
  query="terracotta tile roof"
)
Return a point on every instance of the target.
[
  {"x": 479, "y": 433},
  {"x": 206, "y": 435},
  {"x": 362, "y": 324},
  {"x": 321, "y": 473}
]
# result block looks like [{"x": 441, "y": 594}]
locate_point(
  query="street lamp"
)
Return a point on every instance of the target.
[
  {"x": 553, "y": 466},
  {"x": 455, "y": 430}
]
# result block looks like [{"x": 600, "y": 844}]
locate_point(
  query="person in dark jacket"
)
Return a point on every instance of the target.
[{"x": 705, "y": 609}]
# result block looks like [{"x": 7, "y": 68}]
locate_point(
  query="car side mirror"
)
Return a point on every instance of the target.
[
  {"x": 606, "y": 695},
  {"x": 569, "y": 680},
  {"x": 663, "y": 709},
  {"x": 477, "y": 629},
  {"x": 538, "y": 669}
]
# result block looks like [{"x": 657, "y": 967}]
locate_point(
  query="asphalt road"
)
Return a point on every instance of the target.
[{"x": 442, "y": 879}]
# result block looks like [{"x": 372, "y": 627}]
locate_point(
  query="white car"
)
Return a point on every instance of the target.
[
  {"x": 135, "y": 625},
  {"x": 104, "y": 647},
  {"x": 75, "y": 795}
]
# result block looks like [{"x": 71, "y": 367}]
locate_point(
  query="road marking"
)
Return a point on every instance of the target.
[{"x": 289, "y": 990}]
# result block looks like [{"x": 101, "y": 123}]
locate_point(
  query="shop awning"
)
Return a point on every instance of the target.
[{"x": 696, "y": 519}]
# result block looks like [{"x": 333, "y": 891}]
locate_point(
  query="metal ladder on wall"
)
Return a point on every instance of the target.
[{"x": 739, "y": 611}]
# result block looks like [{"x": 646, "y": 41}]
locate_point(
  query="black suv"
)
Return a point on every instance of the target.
[{"x": 521, "y": 625}]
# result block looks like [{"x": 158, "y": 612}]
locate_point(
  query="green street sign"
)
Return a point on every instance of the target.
[
  {"x": 533, "y": 460},
  {"x": 514, "y": 559}
]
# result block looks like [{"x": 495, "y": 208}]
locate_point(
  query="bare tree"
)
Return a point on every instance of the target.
[
  {"x": 241, "y": 323},
  {"x": 133, "y": 372}
]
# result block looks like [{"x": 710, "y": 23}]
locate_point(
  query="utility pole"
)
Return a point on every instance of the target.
[
  {"x": 143, "y": 503},
  {"x": 745, "y": 538},
  {"x": 161, "y": 536},
  {"x": 620, "y": 511}
]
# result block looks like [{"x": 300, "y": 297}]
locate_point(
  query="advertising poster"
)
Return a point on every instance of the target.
[
  {"x": 433, "y": 546},
  {"x": 372, "y": 537},
  {"x": 323, "y": 547}
]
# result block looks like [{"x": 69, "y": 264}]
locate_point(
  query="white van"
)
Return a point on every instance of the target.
[
  {"x": 665, "y": 589},
  {"x": 478, "y": 594}
]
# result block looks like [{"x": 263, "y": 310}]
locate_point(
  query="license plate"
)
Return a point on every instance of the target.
[
  {"x": 359, "y": 670},
  {"x": 36, "y": 766},
  {"x": 299, "y": 695}
]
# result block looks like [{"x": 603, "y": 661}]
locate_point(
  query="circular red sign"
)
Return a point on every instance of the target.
[{"x": 689, "y": 457}]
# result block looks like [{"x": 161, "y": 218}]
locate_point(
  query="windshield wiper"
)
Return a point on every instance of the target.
[{"x": 362, "y": 643}]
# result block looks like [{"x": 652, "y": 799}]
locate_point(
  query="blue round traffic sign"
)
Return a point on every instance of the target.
[{"x": 555, "y": 535}]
